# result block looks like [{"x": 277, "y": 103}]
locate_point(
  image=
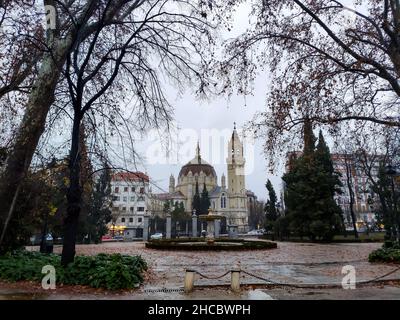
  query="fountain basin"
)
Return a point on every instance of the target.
[{"x": 195, "y": 244}]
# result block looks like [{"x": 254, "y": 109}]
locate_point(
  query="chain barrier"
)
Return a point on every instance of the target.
[
  {"x": 318, "y": 284},
  {"x": 209, "y": 277},
  {"x": 292, "y": 284}
]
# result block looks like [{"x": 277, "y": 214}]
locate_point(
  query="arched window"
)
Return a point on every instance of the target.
[{"x": 223, "y": 201}]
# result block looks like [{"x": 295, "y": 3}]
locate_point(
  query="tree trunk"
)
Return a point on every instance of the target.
[
  {"x": 74, "y": 196},
  {"x": 30, "y": 131},
  {"x": 351, "y": 194}
]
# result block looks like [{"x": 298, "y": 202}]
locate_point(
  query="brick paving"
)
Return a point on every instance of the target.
[
  {"x": 298, "y": 263},
  {"x": 301, "y": 263}
]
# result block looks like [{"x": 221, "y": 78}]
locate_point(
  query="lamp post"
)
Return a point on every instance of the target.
[{"x": 391, "y": 171}]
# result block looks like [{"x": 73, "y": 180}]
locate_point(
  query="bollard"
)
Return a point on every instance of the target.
[
  {"x": 235, "y": 279},
  {"x": 189, "y": 280}
]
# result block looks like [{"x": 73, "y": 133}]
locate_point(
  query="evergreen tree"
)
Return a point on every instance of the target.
[
  {"x": 310, "y": 188},
  {"x": 99, "y": 211},
  {"x": 181, "y": 207},
  {"x": 205, "y": 200},
  {"x": 179, "y": 211},
  {"x": 308, "y": 138},
  {"x": 384, "y": 211},
  {"x": 196, "y": 204},
  {"x": 167, "y": 206},
  {"x": 327, "y": 215},
  {"x": 271, "y": 213}
]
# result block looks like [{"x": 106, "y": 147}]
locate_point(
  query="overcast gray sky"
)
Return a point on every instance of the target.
[{"x": 196, "y": 118}]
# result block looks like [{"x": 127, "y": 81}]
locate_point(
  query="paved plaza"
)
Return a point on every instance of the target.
[{"x": 290, "y": 266}]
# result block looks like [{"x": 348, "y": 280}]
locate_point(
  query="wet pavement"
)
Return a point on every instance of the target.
[{"x": 291, "y": 263}]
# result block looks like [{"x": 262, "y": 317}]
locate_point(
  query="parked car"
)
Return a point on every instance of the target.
[
  {"x": 106, "y": 238},
  {"x": 119, "y": 238},
  {"x": 255, "y": 232},
  {"x": 156, "y": 236}
]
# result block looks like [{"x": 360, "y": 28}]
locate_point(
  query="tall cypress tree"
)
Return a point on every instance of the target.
[
  {"x": 310, "y": 188},
  {"x": 271, "y": 213},
  {"x": 196, "y": 204},
  {"x": 205, "y": 200},
  {"x": 327, "y": 217},
  {"x": 100, "y": 207},
  {"x": 384, "y": 211}
]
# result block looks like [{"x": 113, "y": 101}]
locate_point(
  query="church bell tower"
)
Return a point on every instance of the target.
[{"x": 236, "y": 182}]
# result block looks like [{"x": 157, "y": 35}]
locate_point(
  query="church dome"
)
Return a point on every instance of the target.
[
  {"x": 197, "y": 168},
  {"x": 197, "y": 165}
]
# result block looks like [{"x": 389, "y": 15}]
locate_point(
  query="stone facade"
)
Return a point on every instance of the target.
[{"x": 228, "y": 199}]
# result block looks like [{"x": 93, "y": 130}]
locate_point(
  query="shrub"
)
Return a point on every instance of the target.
[
  {"x": 112, "y": 272},
  {"x": 385, "y": 255}
]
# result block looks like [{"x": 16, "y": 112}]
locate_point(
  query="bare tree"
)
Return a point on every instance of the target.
[
  {"x": 369, "y": 152},
  {"x": 88, "y": 26},
  {"x": 327, "y": 61},
  {"x": 121, "y": 59}
]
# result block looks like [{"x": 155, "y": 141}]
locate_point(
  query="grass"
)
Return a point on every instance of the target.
[
  {"x": 350, "y": 238},
  {"x": 363, "y": 237}
]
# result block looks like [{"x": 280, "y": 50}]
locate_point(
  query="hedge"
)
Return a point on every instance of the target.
[{"x": 109, "y": 271}]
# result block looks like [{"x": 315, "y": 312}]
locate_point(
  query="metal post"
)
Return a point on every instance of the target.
[{"x": 189, "y": 280}]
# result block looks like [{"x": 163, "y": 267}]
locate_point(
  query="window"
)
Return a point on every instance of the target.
[
  {"x": 142, "y": 190},
  {"x": 132, "y": 199},
  {"x": 223, "y": 202},
  {"x": 116, "y": 190},
  {"x": 122, "y": 219},
  {"x": 139, "y": 220},
  {"x": 115, "y": 198},
  {"x": 140, "y": 209},
  {"x": 123, "y": 208},
  {"x": 130, "y": 219},
  {"x": 131, "y": 209},
  {"x": 141, "y": 198},
  {"x": 125, "y": 199},
  {"x": 125, "y": 189},
  {"x": 133, "y": 189}
]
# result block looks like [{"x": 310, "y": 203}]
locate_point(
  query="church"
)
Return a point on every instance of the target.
[{"x": 228, "y": 199}]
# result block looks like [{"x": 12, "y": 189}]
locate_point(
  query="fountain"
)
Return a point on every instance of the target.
[
  {"x": 212, "y": 240},
  {"x": 210, "y": 218}
]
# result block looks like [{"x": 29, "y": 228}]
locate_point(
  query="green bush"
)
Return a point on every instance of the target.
[
  {"x": 385, "y": 255},
  {"x": 112, "y": 272}
]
